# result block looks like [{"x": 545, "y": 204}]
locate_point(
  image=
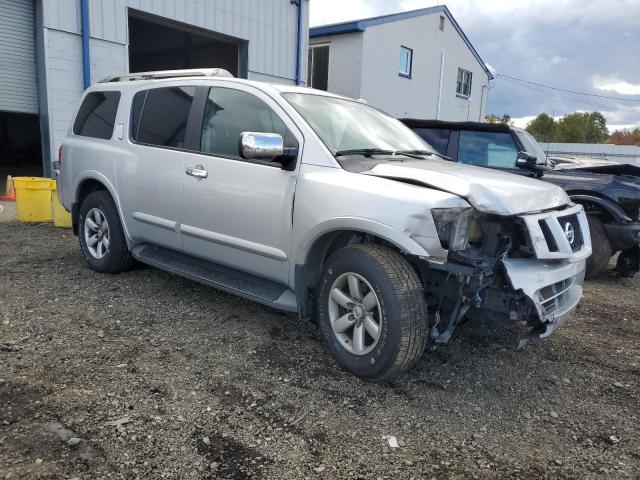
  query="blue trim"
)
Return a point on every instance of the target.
[
  {"x": 299, "y": 46},
  {"x": 361, "y": 26},
  {"x": 86, "y": 63}
]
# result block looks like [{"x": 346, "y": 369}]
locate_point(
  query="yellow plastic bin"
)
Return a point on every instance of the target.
[
  {"x": 33, "y": 199},
  {"x": 61, "y": 218}
]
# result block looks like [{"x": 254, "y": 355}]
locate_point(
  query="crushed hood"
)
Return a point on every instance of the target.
[
  {"x": 487, "y": 190},
  {"x": 595, "y": 165}
]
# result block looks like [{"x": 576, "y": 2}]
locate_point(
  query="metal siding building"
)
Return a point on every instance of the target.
[
  {"x": 41, "y": 47},
  {"x": 365, "y": 58}
]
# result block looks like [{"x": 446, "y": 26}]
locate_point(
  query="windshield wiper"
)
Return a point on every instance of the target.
[
  {"x": 427, "y": 153},
  {"x": 369, "y": 152}
]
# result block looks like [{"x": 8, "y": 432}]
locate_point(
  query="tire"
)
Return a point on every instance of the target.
[
  {"x": 602, "y": 251},
  {"x": 114, "y": 256},
  {"x": 400, "y": 313}
]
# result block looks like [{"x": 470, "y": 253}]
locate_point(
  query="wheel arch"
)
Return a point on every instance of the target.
[
  {"x": 310, "y": 259},
  {"x": 91, "y": 182},
  {"x": 608, "y": 209}
]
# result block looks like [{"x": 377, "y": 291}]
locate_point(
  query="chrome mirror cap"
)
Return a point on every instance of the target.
[{"x": 257, "y": 145}]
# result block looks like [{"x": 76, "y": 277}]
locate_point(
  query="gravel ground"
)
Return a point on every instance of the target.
[{"x": 147, "y": 375}]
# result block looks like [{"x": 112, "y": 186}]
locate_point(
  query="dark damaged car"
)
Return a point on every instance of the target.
[{"x": 609, "y": 191}]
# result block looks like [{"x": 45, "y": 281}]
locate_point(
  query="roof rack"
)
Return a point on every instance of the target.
[{"x": 195, "y": 72}]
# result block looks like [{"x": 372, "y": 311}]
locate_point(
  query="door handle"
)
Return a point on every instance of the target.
[{"x": 198, "y": 171}]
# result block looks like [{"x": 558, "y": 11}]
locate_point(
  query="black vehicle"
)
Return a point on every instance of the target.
[{"x": 609, "y": 191}]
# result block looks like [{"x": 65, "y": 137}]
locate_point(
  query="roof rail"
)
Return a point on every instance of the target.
[{"x": 194, "y": 72}]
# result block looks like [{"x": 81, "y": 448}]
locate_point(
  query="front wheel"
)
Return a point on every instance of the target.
[
  {"x": 602, "y": 251},
  {"x": 372, "y": 311}
]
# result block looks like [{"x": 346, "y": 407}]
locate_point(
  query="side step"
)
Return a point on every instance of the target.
[{"x": 226, "y": 279}]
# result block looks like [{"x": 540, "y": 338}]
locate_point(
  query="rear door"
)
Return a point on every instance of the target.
[
  {"x": 240, "y": 214},
  {"x": 150, "y": 179}
]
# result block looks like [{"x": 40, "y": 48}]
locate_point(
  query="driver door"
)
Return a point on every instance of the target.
[{"x": 239, "y": 213}]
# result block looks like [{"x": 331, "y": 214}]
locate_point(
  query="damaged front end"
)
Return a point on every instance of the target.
[{"x": 525, "y": 269}]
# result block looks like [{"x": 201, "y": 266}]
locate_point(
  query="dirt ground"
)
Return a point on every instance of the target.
[{"x": 147, "y": 375}]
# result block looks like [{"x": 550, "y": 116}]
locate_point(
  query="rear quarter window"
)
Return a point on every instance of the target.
[{"x": 97, "y": 115}]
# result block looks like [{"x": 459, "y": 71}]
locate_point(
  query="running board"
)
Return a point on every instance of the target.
[{"x": 226, "y": 279}]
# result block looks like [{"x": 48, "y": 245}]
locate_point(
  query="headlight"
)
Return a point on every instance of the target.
[{"x": 456, "y": 227}]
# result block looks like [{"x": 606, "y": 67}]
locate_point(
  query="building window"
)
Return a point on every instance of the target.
[
  {"x": 318, "y": 67},
  {"x": 406, "y": 60},
  {"x": 463, "y": 86},
  {"x": 442, "y": 23}
]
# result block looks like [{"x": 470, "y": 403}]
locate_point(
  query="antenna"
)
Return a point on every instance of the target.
[{"x": 546, "y": 153}]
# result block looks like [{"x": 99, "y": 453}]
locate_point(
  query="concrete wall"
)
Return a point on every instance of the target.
[
  {"x": 366, "y": 65},
  {"x": 345, "y": 63},
  {"x": 269, "y": 26}
]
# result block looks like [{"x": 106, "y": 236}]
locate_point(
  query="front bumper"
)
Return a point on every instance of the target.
[
  {"x": 554, "y": 288},
  {"x": 623, "y": 236}
]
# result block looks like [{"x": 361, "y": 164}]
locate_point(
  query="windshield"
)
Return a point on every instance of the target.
[
  {"x": 532, "y": 146},
  {"x": 347, "y": 126}
]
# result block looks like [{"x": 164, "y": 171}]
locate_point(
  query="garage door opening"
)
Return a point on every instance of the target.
[
  {"x": 20, "y": 146},
  {"x": 158, "y": 44}
]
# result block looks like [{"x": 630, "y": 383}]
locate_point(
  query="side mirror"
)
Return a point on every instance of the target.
[
  {"x": 256, "y": 145},
  {"x": 527, "y": 161}
]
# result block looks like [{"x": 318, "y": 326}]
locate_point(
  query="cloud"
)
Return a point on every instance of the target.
[
  {"x": 322, "y": 12},
  {"x": 618, "y": 86}
]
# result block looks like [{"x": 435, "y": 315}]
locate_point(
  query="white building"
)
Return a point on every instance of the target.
[
  {"x": 50, "y": 50},
  {"x": 416, "y": 64}
]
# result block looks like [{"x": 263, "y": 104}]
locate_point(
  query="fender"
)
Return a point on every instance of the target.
[
  {"x": 392, "y": 235},
  {"x": 104, "y": 181},
  {"x": 613, "y": 208}
]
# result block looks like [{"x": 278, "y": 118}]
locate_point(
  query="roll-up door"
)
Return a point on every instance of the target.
[{"x": 18, "y": 88}]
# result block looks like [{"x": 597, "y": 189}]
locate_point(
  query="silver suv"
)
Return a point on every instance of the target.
[{"x": 317, "y": 204}]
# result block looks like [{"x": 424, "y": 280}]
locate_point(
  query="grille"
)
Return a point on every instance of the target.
[
  {"x": 554, "y": 296},
  {"x": 572, "y": 220},
  {"x": 548, "y": 236}
]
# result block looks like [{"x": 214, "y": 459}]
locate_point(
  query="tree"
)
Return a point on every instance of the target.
[
  {"x": 504, "y": 119},
  {"x": 625, "y": 137},
  {"x": 582, "y": 128},
  {"x": 543, "y": 128}
]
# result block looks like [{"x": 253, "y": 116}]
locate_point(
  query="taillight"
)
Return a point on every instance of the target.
[{"x": 60, "y": 155}]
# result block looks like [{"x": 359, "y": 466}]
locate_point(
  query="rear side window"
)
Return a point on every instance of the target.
[
  {"x": 159, "y": 116},
  {"x": 436, "y": 137},
  {"x": 97, "y": 115}
]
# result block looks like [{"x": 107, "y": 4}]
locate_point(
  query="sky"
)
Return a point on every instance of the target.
[{"x": 590, "y": 46}]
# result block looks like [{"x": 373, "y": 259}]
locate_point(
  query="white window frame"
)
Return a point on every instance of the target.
[
  {"x": 464, "y": 79},
  {"x": 406, "y": 74}
]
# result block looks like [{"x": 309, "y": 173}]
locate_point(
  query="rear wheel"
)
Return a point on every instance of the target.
[
  {"x": 101, "y": 235},
  {"x": 602, "y": 251},
  {"x": 372, "y": 311}
]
